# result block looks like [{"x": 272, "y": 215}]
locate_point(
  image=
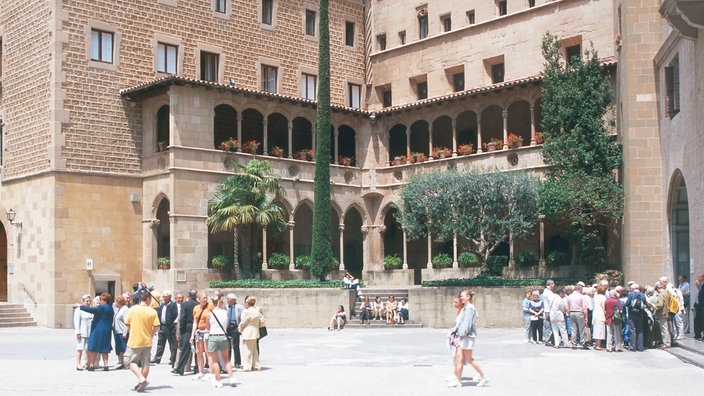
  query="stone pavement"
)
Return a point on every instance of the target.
[{"x": 304, "y": 362}]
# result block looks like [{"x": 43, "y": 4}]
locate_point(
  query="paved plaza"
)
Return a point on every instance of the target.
[{"x": 303, "y": 362}]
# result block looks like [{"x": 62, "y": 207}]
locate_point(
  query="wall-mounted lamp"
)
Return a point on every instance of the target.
[
  {"x": 233, "y": 81},
  {"x": 11, "y": 218}
]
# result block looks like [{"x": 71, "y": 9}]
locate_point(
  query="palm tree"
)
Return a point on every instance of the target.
[{"x": 243, "y": 203}]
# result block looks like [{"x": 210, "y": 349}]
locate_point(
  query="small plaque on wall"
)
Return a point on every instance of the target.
[{"x": 89, "y": 264}]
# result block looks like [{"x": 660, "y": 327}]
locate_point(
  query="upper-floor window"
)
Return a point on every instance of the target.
[
  {"x": 310, "y": 22},
  {"x": 502, "y": 7},
  {"x": 531, "y": 3},
  {"x": 497, "y": 73},
  {"x": 221, "y": 6},
  {"x": 268, "y": 12},
  {"x": 422, "y": 24},
  {"x": 446, "y": 22},
  {"x": 458, "y": 82},
  {"x": 354, "y": 95},
  {"x": 381, "y": 42},
  {"x": 269, "y": 78},
  {"x": 309, "y": 86},
  {"x": 166, "y": 58},
  {"x": 573, "y": 53},
  {"x": 101, "y": 46},
  {"x": 402, "y": 37},
  {"x": 349, "y": 33},
  {"x": 672, "y": 87},
  {"x": 470, "y": 17},
  {"x": 422, "y": 90},
  {"x": 386, "y": 98},
  {"x": 209, "y": 63}
]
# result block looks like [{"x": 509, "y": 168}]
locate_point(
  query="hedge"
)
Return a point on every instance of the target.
[{"x": 271, "y": 284}]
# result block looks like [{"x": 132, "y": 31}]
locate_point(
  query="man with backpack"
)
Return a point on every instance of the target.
[
  {"x": 662, "y": 313},
  {"x": 636, "y": 304}
]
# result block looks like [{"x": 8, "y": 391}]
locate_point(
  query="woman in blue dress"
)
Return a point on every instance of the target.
[{"x": 99, "y": 342}]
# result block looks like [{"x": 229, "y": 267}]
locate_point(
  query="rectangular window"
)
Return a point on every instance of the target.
[
  {"x": 422, "y": 25},
  {"x": 101, "y": 46},
  {"x": 497, "y": 73},
  {"x": 269, "y": 78},
  {"x": 470, "y": 17},
  {"x": 354, "y": 93},
  {"x": 402, "y": 37},
  {"x": 309, "y": 86},
  {"x": 446, "y": 22},
  {"x": 574, "y": 53},
  {"x": 422, "y": 89},
  {"x": 209, "y": 63},
  {"x": 267, "y": 12},
  {"x": 381, "y": 42},
  {"x": 1, "y": 58},
  {"x": 166, "y": 58},
  {"x": 531, "y": 3},
  {"x": 310, "y": 22},
  {"x": 349, "y": 33},
  {"x": 221, "y": 6},
  {"x": 458, "y": 82},
  {"x": 503, "y": 9},
  {"x": 386, "y": 98},
  {"x": 672, "y": 87}
]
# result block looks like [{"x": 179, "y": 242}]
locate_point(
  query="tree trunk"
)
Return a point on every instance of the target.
[
  {"x": 237, "y": 271},
  {"x": 247, "y": 250}
]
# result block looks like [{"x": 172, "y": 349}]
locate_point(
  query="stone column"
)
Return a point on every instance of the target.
[
  {"x": 430, "y": 141},
  {"x": 266, "y": 135},
  {"x": 532, "y": 124},
  {"x": 387, "y": 139},
  {"x": 239, "y": 131},
  {"x": 291, "y": 263},
  {"x": 408, "y": 141},
  {"x": 511, "y": 260},
  {"x": 454, "y": 137},
  {"x": 405, "y": 251},
  {"x": 290, "y": 140},
  {"x": 312, "y": 138},
  {"x": 504, "y": 115},
  {"x": 541, "y": 263},
  {"x": 336, "y": 150},
  {"x": 479, "y": 134},
  {"x": 455, "y": 264},
  {"x": 342, "y": 247},
  {"x": 430, "y": 253},
  {"x": 264, "y": 263}
]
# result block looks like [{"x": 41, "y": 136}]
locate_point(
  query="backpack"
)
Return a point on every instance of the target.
[
  {"x": 636, "y": 305},
  {"x": 673, "y": 306},
  {"x": 617, "y": 318}
]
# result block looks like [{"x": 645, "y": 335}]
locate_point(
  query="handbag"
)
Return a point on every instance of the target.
[
  {"x": 263, "y": 332},
  {"x": 262, "y": 325}
]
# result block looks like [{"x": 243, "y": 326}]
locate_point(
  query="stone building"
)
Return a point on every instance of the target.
[{"x": 113, "y": 114}]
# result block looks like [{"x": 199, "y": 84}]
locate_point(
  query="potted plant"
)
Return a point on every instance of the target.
[
  {"x": 494, "y": 144},
  {"x": 539, "y": 139},
  {"x": 345, "y": 161},
  {"x": 279, "y": 261},
  {"x": 467, "y": 259},
  {"x": 251, "y": 146},
  {"x": 442, "y": 260},
  {"x": 399, "y": 160},
  {"x": 465, "y": 149},
  {"x": 416, "y": 157},
  {"x": 392, "y": 262},
  {"x": 230, "y": 145},
  {"x": 219, "y": 262},
  {"x": 277, "y": 151},
  {"x": 163, "y": 146},
  {"x": 163, "y": 262},
  {"x": 514, "y": 141},
  {"x": 303, "y": 262},
  {"x": 526, "y": 259},
  {"x": 306, "y": 155},
  {"x": 441, "y": 152}
]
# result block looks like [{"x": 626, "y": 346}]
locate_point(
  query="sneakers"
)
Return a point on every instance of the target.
[
  {"x": 484, "y": 381},
  {"x": 197, "y": 377},
  {"x": 450, "y": 378},
  {"x": 454, "y": 383},
  {"x": 141, "y": 386},
  {"x": 217, "y": 384}
]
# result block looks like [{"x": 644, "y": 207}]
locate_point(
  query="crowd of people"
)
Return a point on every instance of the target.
[
  {"x": 204, "y": 333},
  {"x": 612, "y": 317}
]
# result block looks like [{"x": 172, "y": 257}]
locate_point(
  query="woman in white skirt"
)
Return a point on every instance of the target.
[{"x": 599, "y": 318}]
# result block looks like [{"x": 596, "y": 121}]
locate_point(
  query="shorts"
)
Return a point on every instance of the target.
[
  {"x": 138, "y": 356},
  {"x": 82, "y": 344},
  {"x": 467, "y": 342},
  {"x": 218, "y": 343}
]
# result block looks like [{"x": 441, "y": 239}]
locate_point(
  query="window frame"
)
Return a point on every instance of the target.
[
  {"x": 381, "y": 42},
  {"x": 422, "y": 90},
  {"x": 350, "y": 35},
  {"x": 471, "y": 17},
  {"x": 672, "y": 87},
  {"x": 352, "y": 88},
  {"x": 446, "y": 22},
  {"x": 101, "y": 42},
  {"x": 220, "y": 6},
  {"x": 212, "y": 67},
  {"x": 402, "y": 37},
  {"x": 265, "y": 80},
  {"x": 502, "y": 7},
  {"x": 166, "y": 46},
  {"x": 495, "y": 69},
  {"x": 270, "y": 6},
  {"x": 422, "y": 25},
  {"x": 458, "y": 78},
  {"x": 305, "y": 90},
  {"x": 386, "y": 97},
  {"x": 307, "y": 23}
]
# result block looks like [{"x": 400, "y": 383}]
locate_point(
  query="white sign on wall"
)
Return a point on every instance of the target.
[{"x": 89, "y": 264}]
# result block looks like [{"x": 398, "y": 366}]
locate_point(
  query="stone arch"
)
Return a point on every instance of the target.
[
  {"x": 303, "y": 228},
  {"x": 466, "y": 125},
  {"x": 442, "y": 132},
  {"x": 253, "y": 127},
  {"x": 420, "y": 135},
  {"x": 277, "y": 133},
  {"x": 397, "y": 141},
  {"x": 353, "y": 248},
  {"x": 518, "y": 120},
  {"x": 161, "y": 226},
  {"x": 393, "y": 235},
  {"x": 163, "y": 127},
  {"x": 492, "y": 123},
  {"x": 302, "y": 137},
  {"x": 538, "y": 113},
  {"x": 224, "y": 124},
  {"x": 279, "y": 242},
  {"x": 679, "y": 225},
  {"x": 347, "y": 142}
]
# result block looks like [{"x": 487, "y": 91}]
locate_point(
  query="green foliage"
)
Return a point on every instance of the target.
[
  {"x": 580, "y": 185},
  {"x": 303, "y": 262},
  {"x": 496, "y": 265},
  {"x": 270, "y": 284},
  {"x": 442, "y": 260},
  {"x": 467, "y": 259},
  {"x": 392, "y": 261},
  {"x": 321, "y": 249},
  {"x": 484, "y": 208},
  {"x": 557, "y": 257},
  {"x": 163, "y": 262},
  {"x": 614, "y": 277},
  {"x": 279, "y": 261},
  {"x": 526, "y": 259},
  {"x": 219, "y": 262},
  {"x": 494, "y": 281}
]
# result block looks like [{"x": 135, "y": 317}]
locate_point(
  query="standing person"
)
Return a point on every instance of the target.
[
  {"x": 199, "y": 331},
  {"x": 143, "y": 323},
  {"x": 81, "y": 323},
  {"x": 577, "y": 308},
  {"x": 536, "y": 309},
  {"x": 662, "y": 314},
  {"x": 249, "y": 329},
  {"x": 685, "y": 289},
  {"x": 636, "y": 304},
  {"x": 168, "y": 315},
  {"x": 599, "y": 318},
  {"x": 547, "y": 298},
  {"x": 185, "y": 324},
  {"x": 234, "y": 316},
  {"x": 100, "y": 341},
  {"x": 452, "y": 337},
  {"x": 525, "y": 305},
  {"x": 612, "y": 312},
  {"x": 558, "y": 313},
  {"x": 466, "y": 329},
  {"x": 218, "y": 343},
  {"x": 177, "y": 329},
  {"x": 699, "y": 309},
  {"x": 120, "y": 330}
]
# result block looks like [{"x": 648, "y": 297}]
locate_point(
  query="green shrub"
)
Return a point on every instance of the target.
[
  {"x": 467, "y": 259},
  {"x": 279, "y": 261},
  {"x": 442, "y": 260},
  {"x": 219, "y": 262},
  {"x": 526, "y": 259},
  {"x": 557, "y": 257},
  {"x": 494, "y": 281},
  {"x": 392, "y": 261},
  {"x": 496, "y": 264},
  {"x": 271, "y": 284},
  {"x": 303, "y": 262}
]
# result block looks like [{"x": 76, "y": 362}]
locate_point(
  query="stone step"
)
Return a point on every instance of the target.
[
  {"x": 12, "y": 310},
  {"x": 689, "y": 350},
  {"x": 26, "y": 323},
  {"x": 15, "y": 315},
  {"x": 381, "y": 324}
]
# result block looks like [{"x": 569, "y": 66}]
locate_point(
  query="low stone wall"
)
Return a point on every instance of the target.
[
  {"x": 432, "y": 274},
  {"x": 398, "y": 277},
  {"x": 308, "y": 308}
]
